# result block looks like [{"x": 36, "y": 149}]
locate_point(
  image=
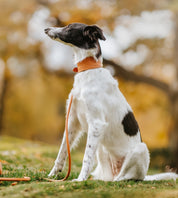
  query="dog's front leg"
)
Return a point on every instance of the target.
[
  {"x": 62, "y": 155},
  {"x": 95, "y": 132},
  {"x": 74, "y": 133}
]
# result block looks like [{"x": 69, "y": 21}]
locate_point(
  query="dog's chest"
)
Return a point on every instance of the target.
[
  {"x": 87, "y": 93},
  {"x": 80, "y": 112}
]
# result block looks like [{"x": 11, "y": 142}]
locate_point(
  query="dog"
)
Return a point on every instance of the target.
[{"x": 100, "y": 110}]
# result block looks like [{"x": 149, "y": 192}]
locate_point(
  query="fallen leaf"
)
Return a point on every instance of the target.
[
  {"x": 61, "y": 187},
  {"x": 0, "y": 168},
  {"x": 4, "y": 162},
  {"x": 14, "y": 183}
]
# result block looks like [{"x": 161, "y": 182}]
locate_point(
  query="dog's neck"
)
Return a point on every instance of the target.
[{"x": 81, "y": 54}]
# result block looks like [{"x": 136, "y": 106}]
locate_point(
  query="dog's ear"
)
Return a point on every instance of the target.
[{"x": 93, "y": 32}]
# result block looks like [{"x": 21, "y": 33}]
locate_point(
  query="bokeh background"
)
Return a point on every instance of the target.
[{"x": 141, "y": 51}]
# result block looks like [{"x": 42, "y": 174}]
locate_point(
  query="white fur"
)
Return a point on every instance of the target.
[
  {"x": 98, "y": 109},
  {"x": 80, "y": 54},
  {"x": 161, "y": 176}
]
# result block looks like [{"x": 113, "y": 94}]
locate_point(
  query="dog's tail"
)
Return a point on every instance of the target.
[{"x": 162, "y": 176}]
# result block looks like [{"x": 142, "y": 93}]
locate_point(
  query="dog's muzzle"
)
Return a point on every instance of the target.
[{"x": 52, "y": 32}]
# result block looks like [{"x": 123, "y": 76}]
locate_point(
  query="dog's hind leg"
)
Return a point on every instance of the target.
[
  {"x": 135, "y": 165},
  {"x": 103, "y": 170}
]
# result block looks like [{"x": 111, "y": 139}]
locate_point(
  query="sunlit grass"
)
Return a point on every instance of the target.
[{"x": 34, "y": 159}]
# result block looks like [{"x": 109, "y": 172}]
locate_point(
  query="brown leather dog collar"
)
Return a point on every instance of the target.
[{"x": 86, "y": 64}]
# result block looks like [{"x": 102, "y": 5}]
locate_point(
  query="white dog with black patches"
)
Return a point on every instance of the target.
[{"x": 100, "y": 110}]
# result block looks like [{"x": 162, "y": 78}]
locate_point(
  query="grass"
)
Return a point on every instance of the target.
[{"x": 24, "y": 158}]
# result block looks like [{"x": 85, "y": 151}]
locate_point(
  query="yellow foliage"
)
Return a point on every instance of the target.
[
  {"x": 151, "y": 108},
  {"x": 35, "y": 107},
  {"x": 35, "y": 103}
]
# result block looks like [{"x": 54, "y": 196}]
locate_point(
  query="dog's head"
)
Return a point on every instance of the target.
[{"x": 77, "y": 34}]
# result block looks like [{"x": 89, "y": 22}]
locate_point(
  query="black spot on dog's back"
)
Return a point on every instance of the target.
[{"x": 130, "y": 124}]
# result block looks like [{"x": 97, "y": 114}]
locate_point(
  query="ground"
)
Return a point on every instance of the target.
[{"x": 34, "y": 159}]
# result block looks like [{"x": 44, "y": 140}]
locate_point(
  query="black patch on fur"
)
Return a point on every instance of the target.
[
  {"x": 130, "y": 124},
  {"x": 81, "y": 35},
  {"x": 93, "y": 33}
]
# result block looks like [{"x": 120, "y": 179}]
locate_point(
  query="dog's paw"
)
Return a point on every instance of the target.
[
  {"x": 54, "y": 172},
  {"x": 78, "y": 180}
]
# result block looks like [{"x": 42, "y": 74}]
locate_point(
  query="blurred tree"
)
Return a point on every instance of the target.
[
  {"x": 174, "y": 102},
  {"x": 28, "y": 103},
  {"x": 2, "y": 88},
  {"x": 4, "y": 80}
]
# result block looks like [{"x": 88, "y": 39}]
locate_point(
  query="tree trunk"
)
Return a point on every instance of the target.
[
  {"x": 2, "y": 91},
  {"x": 174, "y": 132},
  {"x": 174, "y": 103}
]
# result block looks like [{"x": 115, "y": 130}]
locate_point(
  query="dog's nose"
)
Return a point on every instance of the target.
[{"x": 46, "y": 30}]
